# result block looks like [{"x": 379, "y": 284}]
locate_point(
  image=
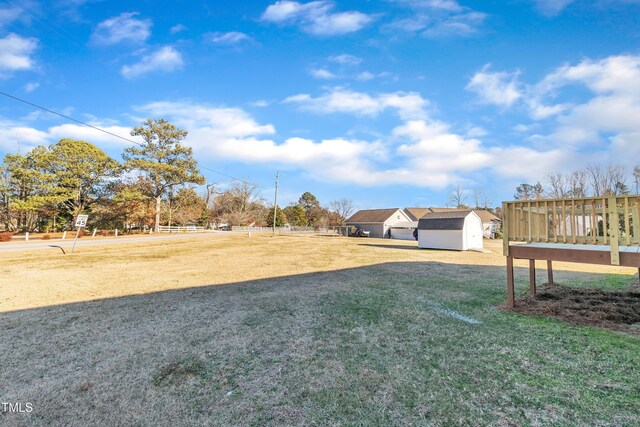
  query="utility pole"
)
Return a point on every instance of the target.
[{"x": 275, "y": 206}]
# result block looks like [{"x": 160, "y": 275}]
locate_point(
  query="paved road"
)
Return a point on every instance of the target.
[{"x": 88, "y": 241}]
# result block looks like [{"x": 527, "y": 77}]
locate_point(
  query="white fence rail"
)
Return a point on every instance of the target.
[
  {"x": 179, "y": 229},
  {"x": 338, "y": 231}
]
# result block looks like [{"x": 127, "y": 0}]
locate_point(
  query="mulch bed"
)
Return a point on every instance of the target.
[{"x": 594, "y": 307}]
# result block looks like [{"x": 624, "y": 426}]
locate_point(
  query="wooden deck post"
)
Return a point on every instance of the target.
[
  {"x": 532, "y": 276},
  {"x": 505, "y": 228},
  {"x": 550, "y": 271},
  {"x": 614, "y": 231},
  {"x": 511, "y": 301}
]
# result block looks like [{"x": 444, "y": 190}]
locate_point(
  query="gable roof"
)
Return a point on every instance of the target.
[
  {"x": 432, "y": 209},
  {"x": 372, "y": 215},
  {"x": 416, "y": 213},
  {"x": 486, "y": 216},
  {"x": 446, "y": 220}
]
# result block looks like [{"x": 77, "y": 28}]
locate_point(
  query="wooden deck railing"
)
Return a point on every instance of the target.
[{"x": 611, "y": 221}]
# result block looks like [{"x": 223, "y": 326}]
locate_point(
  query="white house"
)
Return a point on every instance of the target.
[
  {"x": 377, "y": 222},
  {"x": 455, "y": 230}
]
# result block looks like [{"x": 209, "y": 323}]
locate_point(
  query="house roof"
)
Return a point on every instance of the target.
[
  {"x": 486, "y": 216},
  {"x": 446, "y": 209},
  {"x": 372, "y": 215},
  {"x": 446, "y": 220},
  {"x": 416, "y": 213}
]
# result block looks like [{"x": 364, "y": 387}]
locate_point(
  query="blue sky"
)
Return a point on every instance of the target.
[{"x": 390, "y": 103}]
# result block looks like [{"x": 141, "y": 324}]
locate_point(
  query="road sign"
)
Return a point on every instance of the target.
[{"x": 81, "y": 221}]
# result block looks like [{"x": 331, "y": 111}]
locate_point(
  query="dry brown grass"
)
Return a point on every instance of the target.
[
  {"x": 307, "y": 331},
  {"x": 46, "y": 277}
]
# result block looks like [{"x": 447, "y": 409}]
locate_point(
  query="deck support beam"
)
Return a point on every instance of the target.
[
  {"x": 532, "y": 276},
  {"x": 511, "y": 299},
  {"x": 550, "y": 271}
]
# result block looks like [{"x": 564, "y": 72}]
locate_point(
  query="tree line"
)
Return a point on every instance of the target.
[
  {"x": 592, "y": 181},
  {"x": 156, "y": 183}
]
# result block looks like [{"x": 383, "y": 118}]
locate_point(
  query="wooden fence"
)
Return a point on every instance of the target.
[{"x": 611, "y": 221}]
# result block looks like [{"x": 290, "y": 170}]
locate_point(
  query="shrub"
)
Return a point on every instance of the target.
[
  {"x": 498, "y": 235},
  {"x": 6, "y": 236},
  {"x": 46, "y": 237}
]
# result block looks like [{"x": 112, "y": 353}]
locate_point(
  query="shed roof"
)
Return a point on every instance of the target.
[
  {"x": 447, "y": 220},
  {"x": 372, "y": 215}
]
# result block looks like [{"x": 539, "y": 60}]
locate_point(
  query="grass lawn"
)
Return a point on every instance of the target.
[{"x": 300, "y": 330}]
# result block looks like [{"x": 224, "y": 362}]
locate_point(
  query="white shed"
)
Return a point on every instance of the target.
[{"x": 455, "y": 230}]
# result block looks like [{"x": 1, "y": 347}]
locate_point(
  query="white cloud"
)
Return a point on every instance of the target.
[
  {"x": 539, "y": 163},
  {"x": 345, "y": 59},
  {"x": 408, "y": 105},
  {"x": 229, "y": 39},
  {"x": 551, "y": 7},
  {"x": 428, "y": 155},
  {"x": 178, "y": 28},
  {"x": 434, "y": 148},
  {"x": 418, "y": 152},
  {"x": 124, "y": 28},
  {"x": 322, "y": 73},
  {"x": 15, "y": 136},
  {"x": 9, "y": 15},
  {"x": 498, "y": 88},
  {"x": 260, "y": 103},
  {"x": 615, "y": 84},
  {"x": 461, "y": 25},
  {"x": 165, "y": 59},
  {"x": 437, "y": 19},
  {"x": 476, "y": 132},
  {"x": 450, "y": 5},
  {"x": 222, "y": 121},
  {"x": 16, "y": 54},
  {"x": 316, "y": 17},
  {"x": 365, "y": 75},
  {"x": 94, "y": 136},
  {"x": 600, "y": 121},
  {"x": 30, "y": 87}
]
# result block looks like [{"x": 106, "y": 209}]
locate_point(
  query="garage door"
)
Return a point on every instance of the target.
[{"x": 402, "y": 233}]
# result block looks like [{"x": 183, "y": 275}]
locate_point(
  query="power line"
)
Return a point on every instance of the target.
[
  {"x": 15, "y": 98},
  {"x": 68, "y": 118},
  {"x": 32, "y": 12}
]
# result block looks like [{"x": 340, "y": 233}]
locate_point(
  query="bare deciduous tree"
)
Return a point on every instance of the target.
[
  {"x": 458, "y": 197},
  {"x": 577, "y": 183},
  {"x": 557, "y": 186},
  {"x": 606, "y": 181},
  {"x": 343, "y": 208}
]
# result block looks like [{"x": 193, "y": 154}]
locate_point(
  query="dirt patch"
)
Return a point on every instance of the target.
[{"x": 594, "y": 307}]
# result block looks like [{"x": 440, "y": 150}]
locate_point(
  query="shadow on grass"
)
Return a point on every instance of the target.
[
  {"x": 367, "y": 345},
  {"x": 404, "y": 247}
]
